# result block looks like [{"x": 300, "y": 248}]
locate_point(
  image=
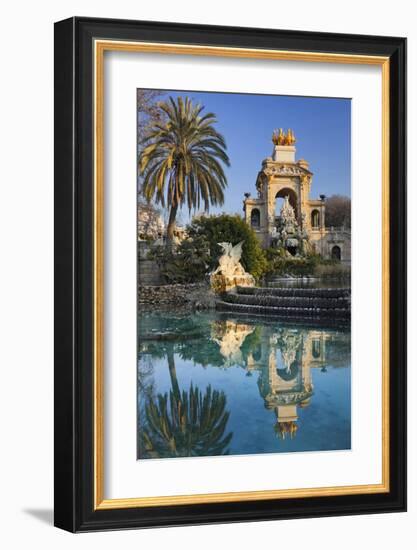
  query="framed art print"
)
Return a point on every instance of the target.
[{"x": 230, "y": 274}]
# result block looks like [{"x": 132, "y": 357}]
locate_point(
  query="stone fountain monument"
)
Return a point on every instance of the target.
[{"x": 230, "y": 272}]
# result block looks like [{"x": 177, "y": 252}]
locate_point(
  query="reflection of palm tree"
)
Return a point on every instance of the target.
[
  {"x": 185, "y": 424},
  {"x": 173, "y": 373}
]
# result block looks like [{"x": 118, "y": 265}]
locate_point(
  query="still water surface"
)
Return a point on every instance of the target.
[{"x": 214, "y": 384}]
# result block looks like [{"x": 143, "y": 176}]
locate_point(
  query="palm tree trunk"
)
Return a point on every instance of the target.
[
  {"x": 171, "y": 225},
  {"x": 173, "y": 373}
]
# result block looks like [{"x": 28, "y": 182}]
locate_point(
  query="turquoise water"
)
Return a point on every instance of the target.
[{"x": 213, "y": 384}]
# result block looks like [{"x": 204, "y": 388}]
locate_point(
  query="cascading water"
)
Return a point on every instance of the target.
[{"x": 312, "y": 304}]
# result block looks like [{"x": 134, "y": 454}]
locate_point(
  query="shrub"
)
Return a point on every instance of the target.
[
  {"x": 233, "y": 229},
  {"x": 279, "y": 263},
  {"x": 188, "y": 264},
  {"x": 334, "y": 270}
]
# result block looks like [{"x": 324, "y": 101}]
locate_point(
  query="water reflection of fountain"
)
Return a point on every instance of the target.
[
  {"x": 230, "y": 335},
  {"x": 283, "y": 357},
  {"x": 280, "y": 357}
]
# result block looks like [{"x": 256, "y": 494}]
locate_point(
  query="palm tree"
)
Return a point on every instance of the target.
[{"x": 181, "y": 160}]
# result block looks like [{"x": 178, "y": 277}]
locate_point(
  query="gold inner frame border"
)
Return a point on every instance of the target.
[{"x": 100, "y": 47}]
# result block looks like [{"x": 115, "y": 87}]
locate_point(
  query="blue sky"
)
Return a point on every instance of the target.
[{"x": 321, "y": 127}]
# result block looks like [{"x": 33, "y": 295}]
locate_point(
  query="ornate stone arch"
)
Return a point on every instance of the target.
[
  {"x": 336, "y": 252},
  {"x": 292, "y": 197},
  {"x": 255, "y": 218},
  {"x": 315, "y": 218}
]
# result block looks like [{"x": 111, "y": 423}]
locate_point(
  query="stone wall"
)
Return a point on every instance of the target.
[
  {"x": 324, "y": 242},
  {"x": 149, "y": 272},
  {"x": 194, "y": 296}
]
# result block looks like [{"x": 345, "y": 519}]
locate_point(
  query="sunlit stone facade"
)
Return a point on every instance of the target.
[{"x": 282, "y": 176}]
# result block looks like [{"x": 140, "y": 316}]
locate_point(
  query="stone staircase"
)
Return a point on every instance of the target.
[{"x": 316, "y": 305}]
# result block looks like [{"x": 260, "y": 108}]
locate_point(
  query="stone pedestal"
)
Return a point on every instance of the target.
[
  {"x": 221, "y": 283},
  {"x": 284, "y": 153},
  {"x": 230, "y": 272}
]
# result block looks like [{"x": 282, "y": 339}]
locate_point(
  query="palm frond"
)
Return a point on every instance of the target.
[
  {"x": 182, "y": 158},
  {"x": 192, "y": 424}
]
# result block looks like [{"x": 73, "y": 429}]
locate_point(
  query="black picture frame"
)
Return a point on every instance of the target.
[{"x": 74, "y": 292}]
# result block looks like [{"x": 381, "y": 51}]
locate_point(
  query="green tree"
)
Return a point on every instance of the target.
[
  {"x": 181, "y": 160},
  {"x": 188, "y": 263},
  {"x": 233, "y": 229},
  {"x": 338, "y": 208}
]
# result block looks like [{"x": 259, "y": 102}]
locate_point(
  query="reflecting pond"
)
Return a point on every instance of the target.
[{"x": 215, "y": 384}]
